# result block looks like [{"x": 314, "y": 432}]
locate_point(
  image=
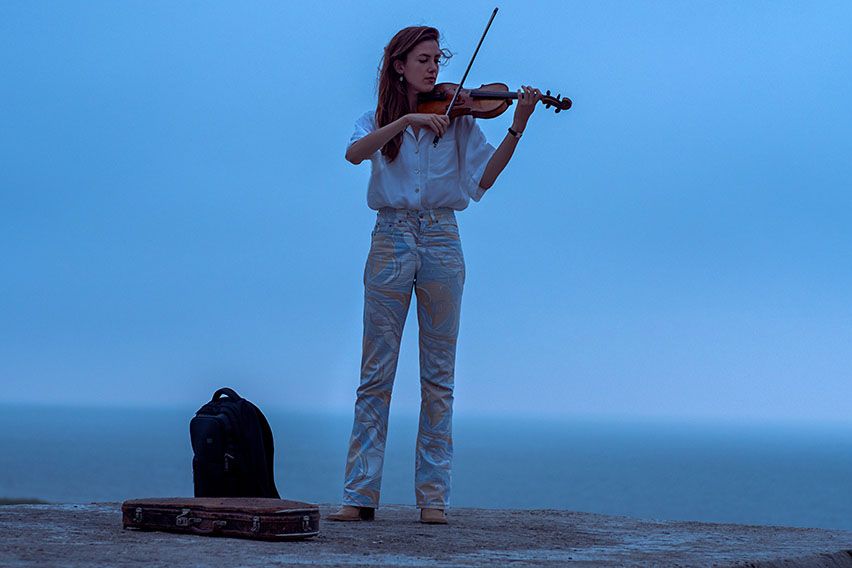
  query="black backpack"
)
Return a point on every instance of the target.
[{"x": 233, "y": 449}]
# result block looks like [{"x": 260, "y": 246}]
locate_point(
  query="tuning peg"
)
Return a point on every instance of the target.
[
  {"x": 557, "y": 110},
  {"x": 557, "y": 96},
  {"x": 547, "y": 93}
]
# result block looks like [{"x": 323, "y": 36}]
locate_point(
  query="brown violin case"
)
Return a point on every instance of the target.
[{"x": 242, "y": 517}]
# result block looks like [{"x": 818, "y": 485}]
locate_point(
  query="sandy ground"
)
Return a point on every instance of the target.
[{"x": 91, "y": 535}]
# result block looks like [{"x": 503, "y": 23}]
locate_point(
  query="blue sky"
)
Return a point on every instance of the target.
[{"x": 177, "y": 213}]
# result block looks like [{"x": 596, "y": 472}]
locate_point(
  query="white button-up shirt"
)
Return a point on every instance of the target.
[{"x": 426, "y": 177}]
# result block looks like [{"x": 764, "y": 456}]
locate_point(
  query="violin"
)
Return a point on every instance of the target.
[{"x": 487, "y": 101}]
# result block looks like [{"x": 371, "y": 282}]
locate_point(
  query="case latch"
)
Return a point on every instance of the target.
[{"x": 184, "y": 520}]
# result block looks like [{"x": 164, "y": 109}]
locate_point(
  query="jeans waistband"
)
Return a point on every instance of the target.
[{"x": 437, "y": 214}]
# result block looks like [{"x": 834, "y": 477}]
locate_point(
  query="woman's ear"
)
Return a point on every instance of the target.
[{"x": 398, "y": 67}]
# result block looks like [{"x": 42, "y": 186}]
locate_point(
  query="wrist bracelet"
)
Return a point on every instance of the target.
[{"x": 515, "y": 134}]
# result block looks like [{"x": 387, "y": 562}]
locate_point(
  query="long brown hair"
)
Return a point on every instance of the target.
[{"x": 392, "y": 95}]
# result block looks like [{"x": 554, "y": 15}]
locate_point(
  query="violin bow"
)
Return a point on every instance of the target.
[{"x": 469, "y": 65}]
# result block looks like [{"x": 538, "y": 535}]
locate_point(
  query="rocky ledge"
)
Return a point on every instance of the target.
[{"x": 89, "y": 535}]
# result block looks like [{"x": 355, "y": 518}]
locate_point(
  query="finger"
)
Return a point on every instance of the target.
[{"x": 440, "y": 124}]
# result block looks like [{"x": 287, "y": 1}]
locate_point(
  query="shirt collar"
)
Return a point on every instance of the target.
[{"x": 411, "y": 131}]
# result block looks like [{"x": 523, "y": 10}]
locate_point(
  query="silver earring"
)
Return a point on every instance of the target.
[{"x": 401, "y": 78}]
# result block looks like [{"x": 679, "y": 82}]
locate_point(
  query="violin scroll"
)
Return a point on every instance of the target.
[{"x": 563, "y": 103}]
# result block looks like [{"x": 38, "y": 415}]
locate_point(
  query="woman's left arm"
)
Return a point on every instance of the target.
[{"x": 527, "y": 99}]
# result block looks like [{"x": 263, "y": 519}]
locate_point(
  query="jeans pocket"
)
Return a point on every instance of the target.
[
  {"x": 449, "y": 225},
  {"x": 384, "y": 226}
]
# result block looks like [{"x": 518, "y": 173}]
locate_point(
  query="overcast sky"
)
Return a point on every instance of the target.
[{"x": 177, "y": 213}]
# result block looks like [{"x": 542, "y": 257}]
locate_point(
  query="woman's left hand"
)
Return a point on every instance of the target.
[{"x": 527, "y": 99}]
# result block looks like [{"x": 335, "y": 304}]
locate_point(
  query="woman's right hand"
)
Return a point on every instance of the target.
[{"x": 437, "y": 123}]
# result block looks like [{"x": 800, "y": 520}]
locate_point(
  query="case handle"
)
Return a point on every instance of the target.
[{"x": 215, "y": 527}]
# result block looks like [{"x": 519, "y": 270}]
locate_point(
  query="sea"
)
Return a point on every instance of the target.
[{"x": 797, "y": 475}]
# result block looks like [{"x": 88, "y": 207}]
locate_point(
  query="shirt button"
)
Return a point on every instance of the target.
[
  {"x": 416, "y": 171},
  {"x": 416, "y": 190},
  {"x": 417, "y": 150}
]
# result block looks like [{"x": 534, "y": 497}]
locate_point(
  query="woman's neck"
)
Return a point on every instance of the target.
[{"x": 412, "y": 100}]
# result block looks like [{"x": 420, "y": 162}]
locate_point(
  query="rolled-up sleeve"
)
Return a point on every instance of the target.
[
  {"x": 363, "y": 126},
  {"x": 474, "y": 154}
]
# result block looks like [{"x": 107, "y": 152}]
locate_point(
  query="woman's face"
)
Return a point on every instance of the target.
[{"x": 421, "y": 66}]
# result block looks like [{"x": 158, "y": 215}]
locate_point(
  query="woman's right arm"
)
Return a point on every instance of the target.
[{"x": 364, "y": 147}]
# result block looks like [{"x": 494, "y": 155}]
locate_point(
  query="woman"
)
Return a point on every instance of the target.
[{"x": 415, "y": 187}]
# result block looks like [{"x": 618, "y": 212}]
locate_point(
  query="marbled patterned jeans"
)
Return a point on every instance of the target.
[{"x": 419, "y": 250}]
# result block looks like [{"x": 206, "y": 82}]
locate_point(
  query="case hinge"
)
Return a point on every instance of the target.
[{"x": 255, "y": 524}]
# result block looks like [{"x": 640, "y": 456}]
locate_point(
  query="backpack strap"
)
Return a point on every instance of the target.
[
  {"x": 269, "y": 448},
  {"x": 230, "y": 393}
]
